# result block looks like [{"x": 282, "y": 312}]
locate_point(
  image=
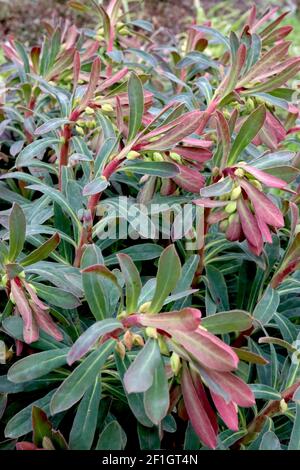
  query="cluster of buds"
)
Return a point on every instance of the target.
[{"x": 246, "y": 213}]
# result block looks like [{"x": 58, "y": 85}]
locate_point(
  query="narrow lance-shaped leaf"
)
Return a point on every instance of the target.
[
  {"x": 87, "y": 340},
  {"x": 156, "y": 398},
  {"x": 74, "y": 387},
  {"x": 168, "y": 274},
  {"x": 136, "y": 105},
  {"x": 42, "y": 252},
  {"x": 37, "y": 365},
  {"x": 247, "y": 133},
  {"x": 139, "y": 376},
  {"x": 132, "y": 281},
  {"x": 17, "y": 230}
]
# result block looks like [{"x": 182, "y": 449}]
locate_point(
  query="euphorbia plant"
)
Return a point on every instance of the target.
[{"x": 98, "y": 130}]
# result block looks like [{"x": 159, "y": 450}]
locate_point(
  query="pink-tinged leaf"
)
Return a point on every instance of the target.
[
  {"x": 189, "y": 179},
  {"x": 210, "y": 203},
  {"x": 204, "y": 400},
  {"x": 45, "y": 322},
  {"x": 265, "y": 178},
  {"x": 87, "y": 340},
  {"x": 102, "y": 271},
  {"x": 249, "y": 225},
  {"x": 264, "y": 230},
  {"x": 294, "y": 211},
  {"x": 193, "y": 142},
  {"x": 93, "y": 81},
  {"x": 264, "y": 208},
  {"x": 196, "y": 412},
  {"x": 187, "y": 319},
  {"x": 194, "y": 153},
  {"x": 186, "y": 125},
  {"x": 26, "y": 446},
  {"x": 227, "y": 411},
  {"x": 272, "y": 132},
  {"x": 224, "y": 136},
  {"x": 234, "y": 231},
  {"x": 208, "y": 349},
  {"x": 30, "y": 331},
  {"x": 264, "y": 19},
  {"x": 34, "y": 297},
  {"x": 238, "y": 391},
  {"x": 216, "y": 217},
  {"x": 112, "y": 80}
]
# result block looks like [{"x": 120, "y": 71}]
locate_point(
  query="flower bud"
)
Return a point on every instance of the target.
[
  {"x": 132, "y": 155},
  {"x": 89, "y": 110},
  {"x": 79, "y": 130},
  {"x": 144, "y": 308},
  {"x": 138, "y": 340},
  {"x": 120, "y": 349},
  {"x": 128, "y": 339},
  {"x": 231, "y": 207},
  {"x": 239, "y": 172},
  {"x": 223, "y": 225},
  {"x": 176, "y": 157},
  {"x": 107, "y": 108},
  {"x": 157, "y": 157},
  {"x": 151, "y": 332},
  {"x": 235, "y": 193},
  {"x": 257, "y": 184},
  {"x": 162, "y": 346},
  {"x": 283, "y": 405},
  {"x": 175, "y": 363},
  {"x": 12, "y": 299}
]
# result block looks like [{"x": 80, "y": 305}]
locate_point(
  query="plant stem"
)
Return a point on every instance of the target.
[
  {"x": 64, "y": 152},
  {"x": 268, "y": 411}
]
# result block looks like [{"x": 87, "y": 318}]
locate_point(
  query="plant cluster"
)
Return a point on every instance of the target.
[{"x": 178, "y": 332}]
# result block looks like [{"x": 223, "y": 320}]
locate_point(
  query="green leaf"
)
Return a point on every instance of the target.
[
  {"x": 41, "y": 426},
  {"x": 57, "y": 197},
  {"x": 148, "y": 437},
  {"x": 17, "y": 231},
  {"x": 248, "y": 131},
  {"x": 140, "y": 375},
  {"x": 112, "y": 437},
  {"x": 87, "y": 340},
  {"x": 42, "y": 252},
  {"x": 132, "y": 281},
  {"x": 168, "y": 274},
  {"x": 136, "y": 105},
  {"x": 156, "y": 398},
  {"x": 37, "y": 365},
  {"x": 93, "y": 284},
  {"x": 74, "y": 387},
  {"x": 294, "y": 443},
  {"x": 217, "y": 287},
  {"x": 55, "y": 296},
  {"x": 226, "y": 322},
  {"x": 270, "y": 442},
  {"x": 267, "y": 306},
  {"x": 50, "y": 125},
  {"x": 34, "y": 149},
  {"x": 21, "y": 423},
  {"x": 135, "y": 400},
  {"x": 95, "y": 187},
  {"x": 85, "y": 422},
  {"x": 265, "y": 392},
  {"x": 161, "y": 169}
]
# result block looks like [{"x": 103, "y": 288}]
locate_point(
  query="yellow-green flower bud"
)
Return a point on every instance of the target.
[
  {"x": 175, "y": 157},
  {"x": 223, "y": 225},
  {"x": 151, "y": 332},
  {"x": 89, "y": 111},
  {"x": 157, "y": 157},
  {"x": 162, "y": 346},
  {"x": 79, "y": 130},
  {"x": 144, "y": 308},
  {"x": 132, "y": 155},
  {"x": 257, "y": 184},
  {"x": 231, "y": 207},
  {"x": 107, "y": 108},
  {"x": 175, "y": 363},
  {"x": 235, "y": 193},
  {"x": 283, "y": 405},
  {"x": 239, "y": 172}
]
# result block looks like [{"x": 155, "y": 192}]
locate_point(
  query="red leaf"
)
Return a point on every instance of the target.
[
  {"x": 189, "y": 179},
  {"x": 265, "y": 178},
  {"x": 227, "y": 411},
  {"x": 196, "y": 411},
  {"x": 187, "y": 319},
  {"x": 249, "y": 226},
  {"x": 238, "y": 391}
]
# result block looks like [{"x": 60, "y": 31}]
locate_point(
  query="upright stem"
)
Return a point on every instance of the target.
[{"x": 64, "y": 152}]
